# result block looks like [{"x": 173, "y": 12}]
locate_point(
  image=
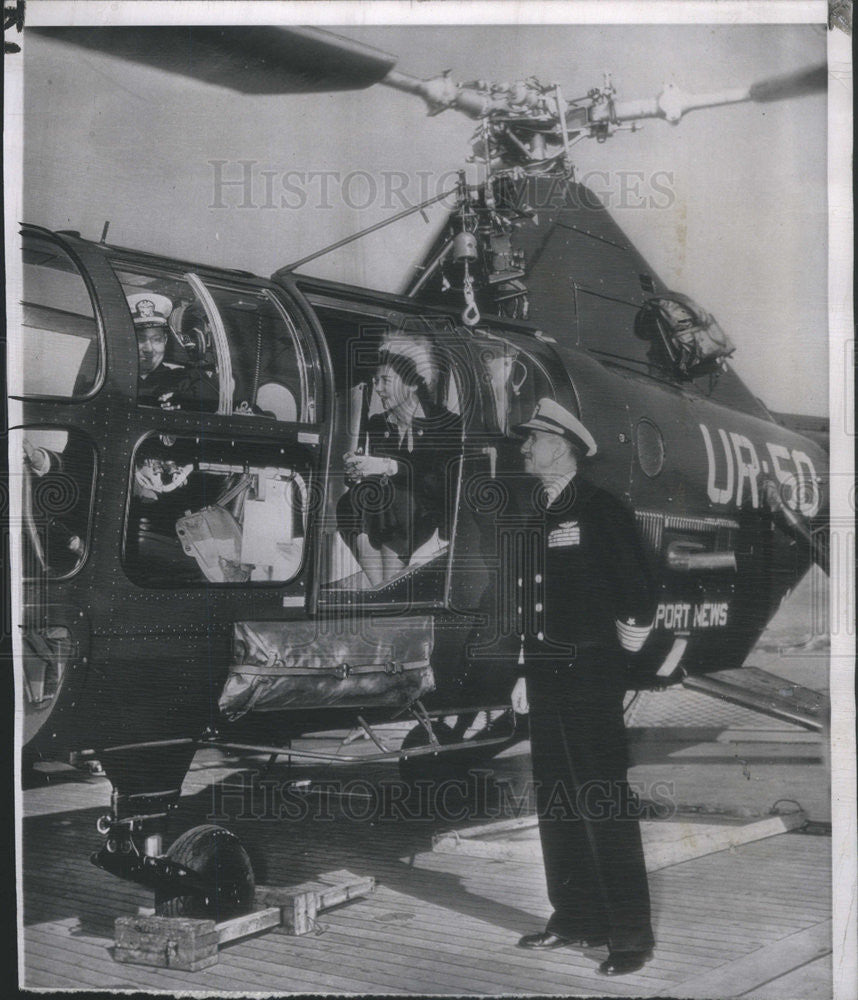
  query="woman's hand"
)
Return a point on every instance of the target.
[{"x": 359, "y": 466}]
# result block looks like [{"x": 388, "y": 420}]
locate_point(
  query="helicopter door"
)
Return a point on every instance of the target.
[
  {"x": 400, "y": 392},
  {"x": 510, "y": 381}
]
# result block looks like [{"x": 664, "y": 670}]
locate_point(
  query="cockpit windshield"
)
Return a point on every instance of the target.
[{"x": 57, "y": 354}]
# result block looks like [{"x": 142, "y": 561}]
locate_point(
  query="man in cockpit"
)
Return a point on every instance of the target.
[{"x": 160, "y": 383}]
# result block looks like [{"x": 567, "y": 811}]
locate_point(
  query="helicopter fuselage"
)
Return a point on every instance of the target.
[{"x": 137, "y": 655}]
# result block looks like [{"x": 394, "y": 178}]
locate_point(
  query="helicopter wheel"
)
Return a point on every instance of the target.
[
  {"x": 426, "y": 767},
  {"x": 217, "y": 855}
]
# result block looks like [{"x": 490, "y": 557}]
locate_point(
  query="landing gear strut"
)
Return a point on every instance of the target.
[
  {"x": 205, "y": 873},
  {"x": 464, "y": 754}
]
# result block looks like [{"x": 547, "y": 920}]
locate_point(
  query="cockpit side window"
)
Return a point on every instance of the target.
[
  {"x": 207, "y": 511},
  {"x": 515, "y": 379},
  {"x": 207, "y": 346},
  {"x": 58, "y": 468},
  {"x": 272, "y": 370},
  {"x": 58, "y": 352}
]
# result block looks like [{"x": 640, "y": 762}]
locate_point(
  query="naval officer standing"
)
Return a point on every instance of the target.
[{"x": 586, "y": 603}]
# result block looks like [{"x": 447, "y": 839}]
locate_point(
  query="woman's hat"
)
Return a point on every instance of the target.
[{"x": 411, "y": 354}]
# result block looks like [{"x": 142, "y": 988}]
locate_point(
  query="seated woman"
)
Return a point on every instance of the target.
[{"x": 398, "y": 510}]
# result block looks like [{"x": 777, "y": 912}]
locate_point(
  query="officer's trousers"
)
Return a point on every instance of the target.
[{"x": 591, "y": 842}]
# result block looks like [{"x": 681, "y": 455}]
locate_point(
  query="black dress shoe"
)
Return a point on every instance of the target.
[
  {"x": 543, "y": 940},
  {"x": 621, "y": 963},
  {"x": 547, "y": 939}
]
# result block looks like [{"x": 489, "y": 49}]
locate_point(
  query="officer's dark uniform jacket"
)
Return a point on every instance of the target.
[
  {"x": 584, "y": 582},
  {"x": 189, "y": 387}
]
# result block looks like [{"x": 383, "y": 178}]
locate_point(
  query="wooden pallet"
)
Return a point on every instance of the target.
[{"x": 191, "y": 944}]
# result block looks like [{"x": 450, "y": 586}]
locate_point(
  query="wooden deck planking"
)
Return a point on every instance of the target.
[
  {"x": 362, "y": 972},
  {"x": 721, "y": 927},
  {"x": 93, "y": 963},
  {"x": 720, "y": 902},
  {"x": 563, "y": 983},
  {"x": 228, "y": 975},
  {"x": 383, "y": 969},
  {"x": 465, "y": 914},
  {"x": 566, "y": 983},
  {"x": 535, "y": 897},
  {"x": 555, "y": 973},
  {"x": 303, "y": 966},
  {"x": 51, "y": 981},
  {"x": 808, "y": 982},
  {"x": 750, "y": 972},
  {"x": 355, "y": 980},
  {"x": 330, "y": 950},
  {"x": 513, "y": 970},
  {"x": 431, "y": 965},
  {"x": 736, "y": 941}
]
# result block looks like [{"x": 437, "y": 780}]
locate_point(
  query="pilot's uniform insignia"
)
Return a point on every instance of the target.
[{"x": 565, "y": 534}]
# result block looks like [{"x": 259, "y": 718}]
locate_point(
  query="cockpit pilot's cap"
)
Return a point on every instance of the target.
[
  {"x": 149, "y": 309},
  {"x": 551, "y": 417}
]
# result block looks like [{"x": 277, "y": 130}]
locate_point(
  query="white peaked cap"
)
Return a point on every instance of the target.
[
  {"x": 551, "y": 417},
  {"x": 149, "y": 308}
]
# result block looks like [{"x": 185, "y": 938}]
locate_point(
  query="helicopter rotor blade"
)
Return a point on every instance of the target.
[
  {"x": 672, "y": 103},
  {"x": 251, "y": 60},
  {"x": 778, "y": 88},
  {"x": 286, "y": 60}
]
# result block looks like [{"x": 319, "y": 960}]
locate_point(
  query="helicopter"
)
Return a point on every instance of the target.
[{"x": 185, "y": 577}]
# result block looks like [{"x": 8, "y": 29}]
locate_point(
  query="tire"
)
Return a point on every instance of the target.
[
  {"x": 429, "y": 767},
  {"x": 216, "y": 854}
]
